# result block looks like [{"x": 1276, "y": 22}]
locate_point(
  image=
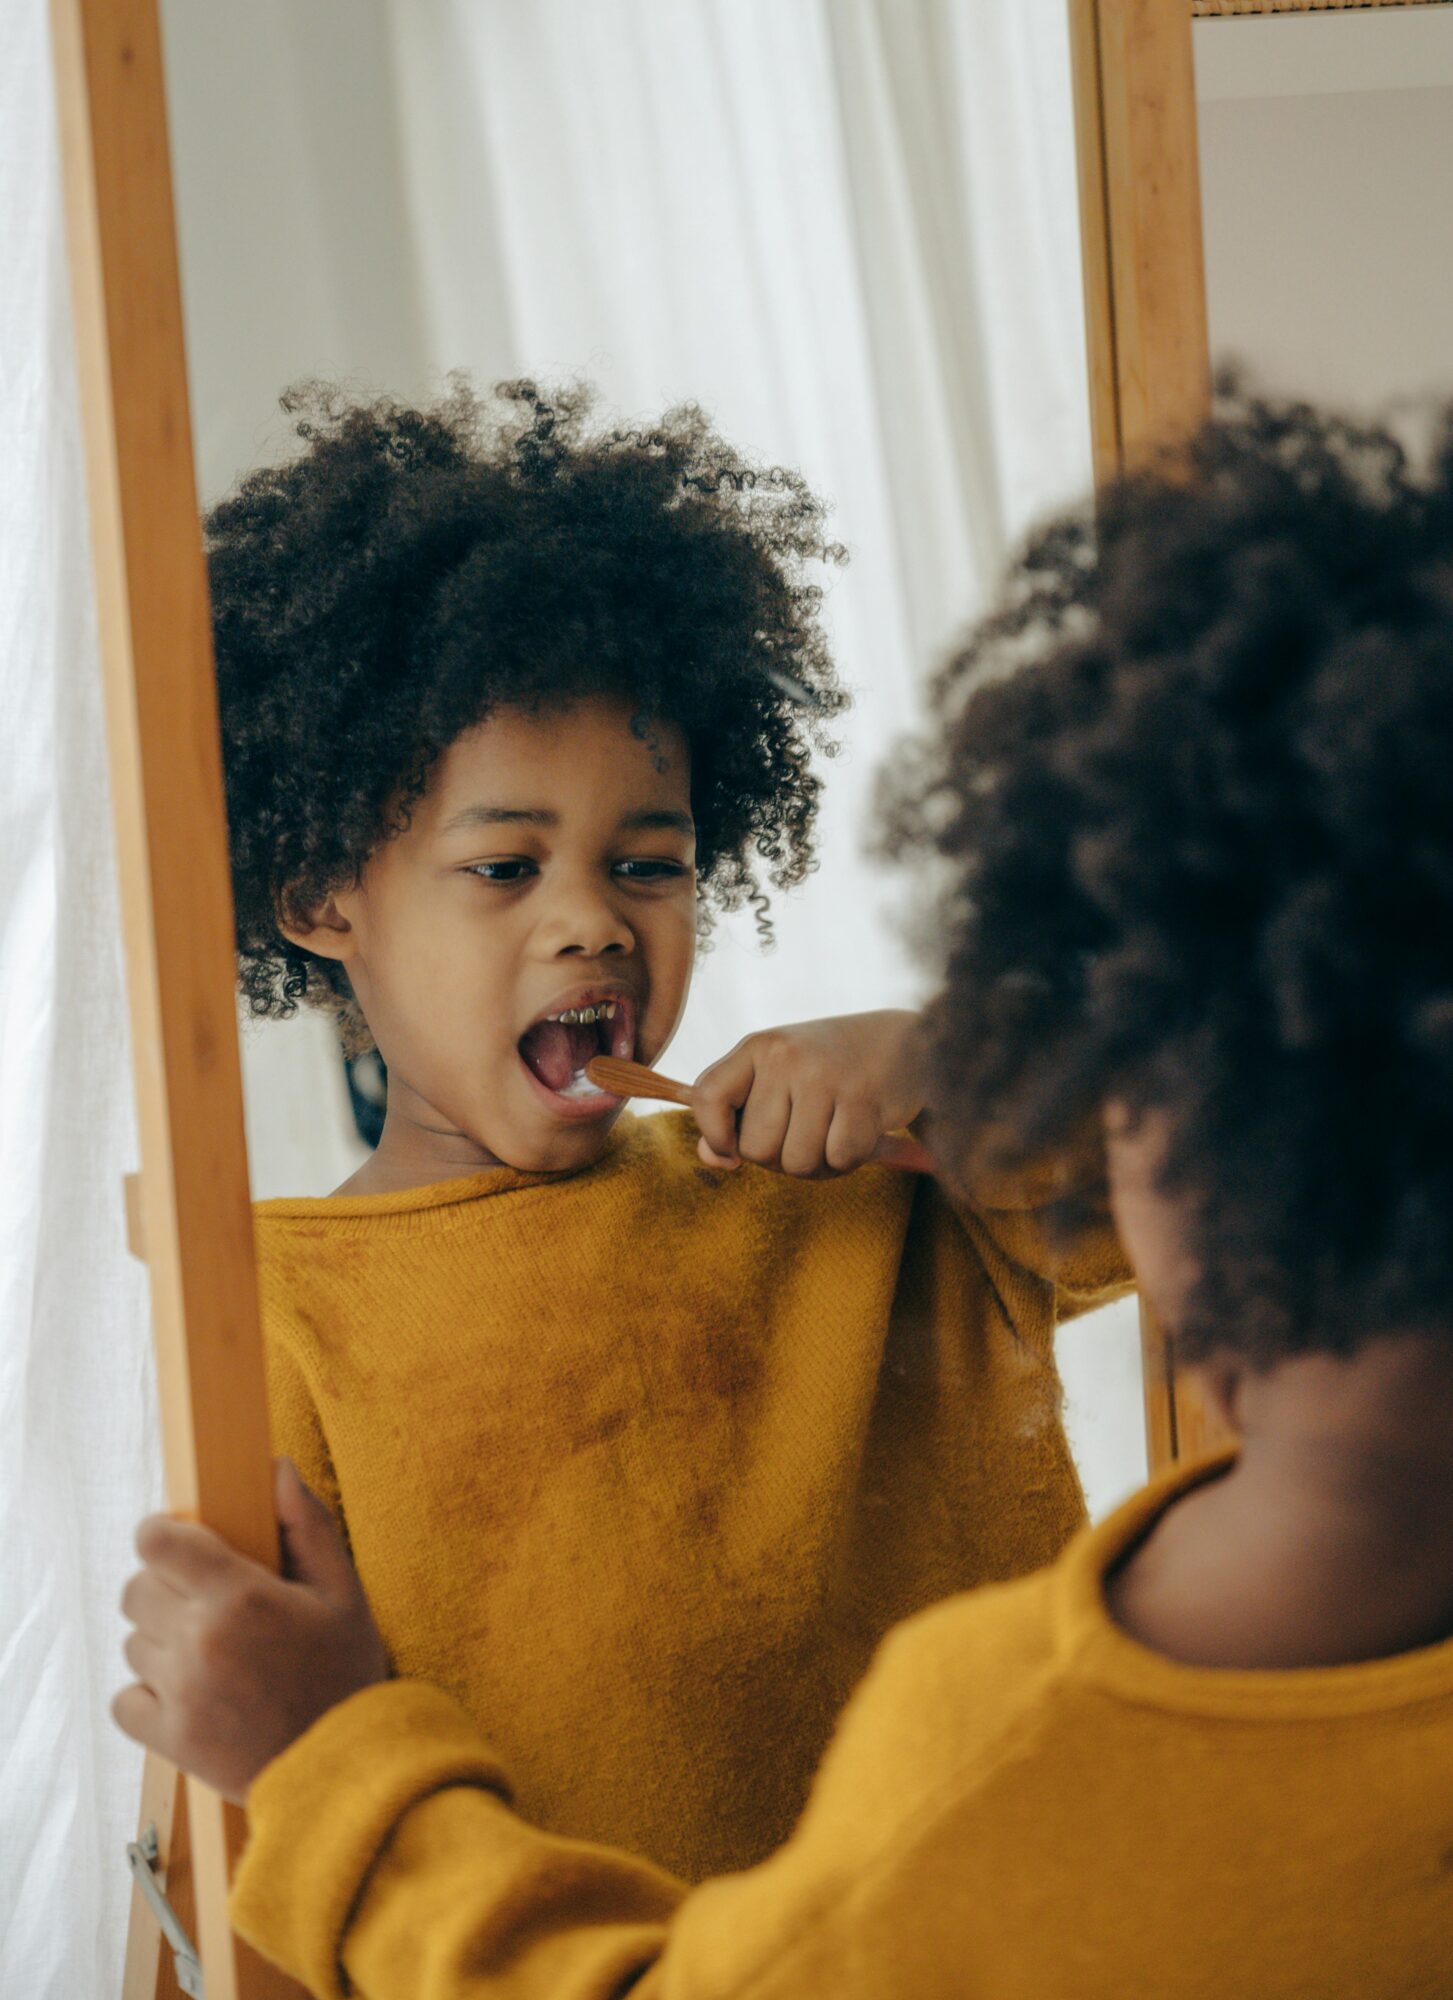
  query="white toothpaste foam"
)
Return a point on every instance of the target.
[{"x": 580, "y": 1085}]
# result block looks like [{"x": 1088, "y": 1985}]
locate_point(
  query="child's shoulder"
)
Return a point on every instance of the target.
[
  {"x": 948, "y": 1690},
  {"x": 649, "y": 1195}
]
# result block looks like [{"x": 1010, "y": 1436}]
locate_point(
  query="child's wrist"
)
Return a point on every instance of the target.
[{"x": 913, "y": 1065}]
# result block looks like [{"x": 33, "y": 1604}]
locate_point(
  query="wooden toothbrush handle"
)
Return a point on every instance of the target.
[
  {"x": 909, "y": 1154},
  {"x": 632, "y": 1079}
]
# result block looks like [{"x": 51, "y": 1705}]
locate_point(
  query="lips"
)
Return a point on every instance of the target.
[{"x": 556, "y": 1051}]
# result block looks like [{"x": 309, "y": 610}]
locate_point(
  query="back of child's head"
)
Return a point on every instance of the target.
[
  {"x": 1193, "y": 793},
  {"x": 411, "y": 571}
]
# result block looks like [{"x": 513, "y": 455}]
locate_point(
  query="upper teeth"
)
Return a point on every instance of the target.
[{"x": 578, "y": 1016}]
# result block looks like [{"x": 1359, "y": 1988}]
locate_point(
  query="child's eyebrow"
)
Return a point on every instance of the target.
[
  {"x": 477, "y": 816},
  {"x": 473, "y": 816},
  {"x": 674, "y": 822}
]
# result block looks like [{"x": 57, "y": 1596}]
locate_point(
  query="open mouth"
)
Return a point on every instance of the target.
[{"x": 556, "y": 1048}]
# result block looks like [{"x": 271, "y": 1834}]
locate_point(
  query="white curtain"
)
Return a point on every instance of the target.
[
  {"x": 849, "y": 229},
  {"x": 79, "y": 1455}
]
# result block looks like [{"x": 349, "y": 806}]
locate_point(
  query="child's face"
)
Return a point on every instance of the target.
[{"x": 549, "y": 868}]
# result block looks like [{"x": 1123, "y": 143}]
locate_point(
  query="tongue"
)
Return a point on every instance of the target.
[{"x": 555, "y": 1050}]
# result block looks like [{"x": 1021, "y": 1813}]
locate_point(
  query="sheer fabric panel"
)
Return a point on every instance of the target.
[{"x": 79, "y": 1454}]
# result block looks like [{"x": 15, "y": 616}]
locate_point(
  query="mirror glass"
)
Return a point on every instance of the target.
[
  {"x": 849, "y": 232},
  {"x": 1326, "y": 159}
]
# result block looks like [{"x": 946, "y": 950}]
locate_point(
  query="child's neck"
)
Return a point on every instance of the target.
[
  {"x": 411, "y": 1153},
  {"x": 1330, "y": 1540}
]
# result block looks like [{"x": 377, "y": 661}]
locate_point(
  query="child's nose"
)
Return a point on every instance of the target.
[{"x": 586, "y": 924}]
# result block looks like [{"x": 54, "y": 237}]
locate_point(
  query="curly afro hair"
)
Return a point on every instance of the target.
[
  {"x": 410, "y": 570},
  {"x": 1193, "y": 793}
]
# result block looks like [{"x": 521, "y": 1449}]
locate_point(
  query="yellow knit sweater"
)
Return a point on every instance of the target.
[
  {"x": 1021, "y": 1804},
  {"x": 639, "y": 1465}
]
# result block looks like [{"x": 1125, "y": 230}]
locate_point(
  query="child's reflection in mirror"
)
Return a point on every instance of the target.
[{"x": 643, "y": 1432}]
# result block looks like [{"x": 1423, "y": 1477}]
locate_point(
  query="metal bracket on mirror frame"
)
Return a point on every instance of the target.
[{"x": 143, "y": 1856}]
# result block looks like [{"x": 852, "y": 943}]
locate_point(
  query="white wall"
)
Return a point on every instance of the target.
[
  {"x": 1327, "y": 161},
  {"x": 297, "y": 260},
  {"x": 296, "y": 250}
]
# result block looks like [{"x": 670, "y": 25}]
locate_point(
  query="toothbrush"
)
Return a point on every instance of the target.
[{"x": 632, "y": 1079}]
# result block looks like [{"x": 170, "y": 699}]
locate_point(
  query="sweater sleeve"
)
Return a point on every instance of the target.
[
  {"x": 1087, "y": 1268},
  {"x": 1012, "y": 1219},
  {"x": 297, "y": 1429},
  {"x": 384, "y": 1862}
]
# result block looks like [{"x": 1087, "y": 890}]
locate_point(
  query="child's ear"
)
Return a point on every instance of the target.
[
  {"x": 1220, "y": 1377},
  {"x": 324, "y": 931}
]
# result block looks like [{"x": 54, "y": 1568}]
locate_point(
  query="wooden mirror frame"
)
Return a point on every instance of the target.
[
  {"x": 1149, "y": 380},
  {"x": 1148, "y": 338},
  {"x": 191, "y": 1215}
]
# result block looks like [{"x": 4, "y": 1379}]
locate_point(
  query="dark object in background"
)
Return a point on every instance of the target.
[{"x": 368, "y": 1094}]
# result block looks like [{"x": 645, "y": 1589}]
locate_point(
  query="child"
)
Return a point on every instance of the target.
[
  {"x": 638, "y": 1459},
  {"x": 1202, "y": 861}
]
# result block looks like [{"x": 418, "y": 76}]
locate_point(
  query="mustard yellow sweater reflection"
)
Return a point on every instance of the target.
[
  {"x": 1021, "y": 1803},
  {"x": 639, "y": 1465}
]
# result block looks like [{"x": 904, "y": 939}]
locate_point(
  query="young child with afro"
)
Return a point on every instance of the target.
[
  {"x": 640, "y": 1448},
  {"x": 1201, "y": 887}
]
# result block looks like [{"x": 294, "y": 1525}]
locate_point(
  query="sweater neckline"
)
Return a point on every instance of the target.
[
  {"x": 1103, "y": 1652},
  {"x": 440, "y": 1195}
]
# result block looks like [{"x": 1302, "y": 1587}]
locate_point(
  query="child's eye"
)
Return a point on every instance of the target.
[
  {"x": 512, "y": 870},
  {"x": 649, "y": 871}
]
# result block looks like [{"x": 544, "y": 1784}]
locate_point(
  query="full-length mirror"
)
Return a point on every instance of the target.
[
  {"x": 849, "y": 234},
  {"x": 619, "y": 1425}
]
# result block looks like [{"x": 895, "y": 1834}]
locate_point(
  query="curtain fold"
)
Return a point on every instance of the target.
[
  {"x": 849, "y": 228},
  {"x": 79, "y": 1452}
]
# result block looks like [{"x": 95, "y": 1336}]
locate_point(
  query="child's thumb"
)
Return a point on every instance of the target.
[{"x": 313, "y": 1549}]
